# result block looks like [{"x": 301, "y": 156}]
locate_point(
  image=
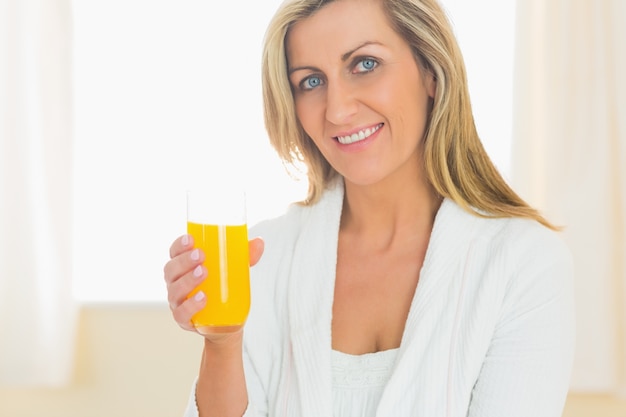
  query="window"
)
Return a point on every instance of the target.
[{"x": 165, "y": 87}]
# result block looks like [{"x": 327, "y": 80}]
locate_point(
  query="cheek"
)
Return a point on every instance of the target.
[
  {"x": 310, "y": 115},
  {"x": 303, "y": 111},
  {"x": 408, "y": 115},
  {"x": 383, "y": 94}
]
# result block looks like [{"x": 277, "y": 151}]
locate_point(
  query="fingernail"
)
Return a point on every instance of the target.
[
  {"x": 198, "y": 271},
  {"x": 185, "y": 240},
  {"x": 199, "y": 296},
  {"x": 195, "y": 255}
]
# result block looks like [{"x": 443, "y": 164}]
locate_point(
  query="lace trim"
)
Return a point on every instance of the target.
[{"x": 362, "y": 371}]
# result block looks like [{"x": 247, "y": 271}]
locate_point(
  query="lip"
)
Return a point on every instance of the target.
[{"x": 358, "y": 136}]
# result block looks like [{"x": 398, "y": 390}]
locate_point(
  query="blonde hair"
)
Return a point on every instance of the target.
[{"x": 456, "y": 164}]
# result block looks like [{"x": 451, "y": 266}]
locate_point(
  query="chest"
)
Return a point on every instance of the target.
[{"x": 372, "y": 297}]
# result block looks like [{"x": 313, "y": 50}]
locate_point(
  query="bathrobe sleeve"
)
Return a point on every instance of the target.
[{"x": 527, "y": 367}]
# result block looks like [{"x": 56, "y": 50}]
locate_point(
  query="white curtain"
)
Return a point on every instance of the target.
[
  {"x": 569, "y": 159},
  {"x": 37, "y": 313}
]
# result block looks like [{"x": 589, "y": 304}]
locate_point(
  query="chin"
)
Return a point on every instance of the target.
[{"x": 364, "y": 180}]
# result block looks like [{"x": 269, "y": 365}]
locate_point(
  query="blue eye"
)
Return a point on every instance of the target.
[
  {"x": 366, "y": 65},
  {"x": 311, "y": 82}
]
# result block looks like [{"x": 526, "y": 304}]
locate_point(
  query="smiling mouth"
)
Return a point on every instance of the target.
[{"x": 358, "y": 136}]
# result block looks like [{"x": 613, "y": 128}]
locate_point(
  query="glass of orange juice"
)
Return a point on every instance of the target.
[{"x": 216, "y": 218}]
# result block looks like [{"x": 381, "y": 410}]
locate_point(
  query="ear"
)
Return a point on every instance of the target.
[{"x": 430, "y": 83}]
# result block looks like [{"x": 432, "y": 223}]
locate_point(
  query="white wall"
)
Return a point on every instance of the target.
[{"x": 131, "y": 360}]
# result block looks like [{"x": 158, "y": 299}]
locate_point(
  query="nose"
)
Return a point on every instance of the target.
[{"x": 341, "y": 103}]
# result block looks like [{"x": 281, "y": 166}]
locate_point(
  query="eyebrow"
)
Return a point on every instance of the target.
[
  {"x": 347, "y": 55},
  {"x": 344, "y": 57}
]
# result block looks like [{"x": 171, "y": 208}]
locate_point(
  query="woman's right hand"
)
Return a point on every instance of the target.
[{"x": 184, "y": 272}]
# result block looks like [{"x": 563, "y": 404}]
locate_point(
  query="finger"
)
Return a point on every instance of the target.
[
  {"x": 185, "y": 311},
  {"x": 180, "y": 265},
  {"x": 257, "y": 246},
  {"x": 180, "y": 245},
  {"x": 178, "y": 290}
]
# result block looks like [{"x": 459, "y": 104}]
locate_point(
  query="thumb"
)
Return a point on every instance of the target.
[{"x": 256, "y": 247}]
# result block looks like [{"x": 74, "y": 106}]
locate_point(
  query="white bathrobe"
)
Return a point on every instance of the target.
[{"x": 490, "y": 332}]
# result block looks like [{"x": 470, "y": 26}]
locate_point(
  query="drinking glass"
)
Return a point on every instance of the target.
[{"x": 216, "y": 218}]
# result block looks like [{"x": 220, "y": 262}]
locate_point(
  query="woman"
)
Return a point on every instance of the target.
[{"x": 413, "y": 280}]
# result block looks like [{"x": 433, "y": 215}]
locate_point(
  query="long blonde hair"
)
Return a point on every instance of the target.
[{"x": 456, "y": 164}]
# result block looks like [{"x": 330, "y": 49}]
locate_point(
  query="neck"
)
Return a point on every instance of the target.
[{"x": 388, "y": 213}]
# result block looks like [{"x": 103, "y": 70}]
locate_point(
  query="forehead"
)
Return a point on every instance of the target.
[{"x": 339, "y": 27}]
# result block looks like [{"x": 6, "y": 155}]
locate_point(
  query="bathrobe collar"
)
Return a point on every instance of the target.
[{"x": 312, "y": 283}]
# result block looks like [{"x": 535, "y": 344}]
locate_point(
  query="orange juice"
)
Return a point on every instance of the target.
[{"x": 227, "y": 286}]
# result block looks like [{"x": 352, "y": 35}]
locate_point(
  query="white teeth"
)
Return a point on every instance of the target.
[{"x": 360, "y": 135}]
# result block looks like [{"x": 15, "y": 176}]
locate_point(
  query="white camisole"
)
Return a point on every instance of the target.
[{"x": 359, "y": 381}]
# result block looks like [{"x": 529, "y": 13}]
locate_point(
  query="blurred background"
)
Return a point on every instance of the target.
[{"x": 110, "y": 110}]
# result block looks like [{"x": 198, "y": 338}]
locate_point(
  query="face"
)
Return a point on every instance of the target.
[{"x": 358, "y": 91}]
